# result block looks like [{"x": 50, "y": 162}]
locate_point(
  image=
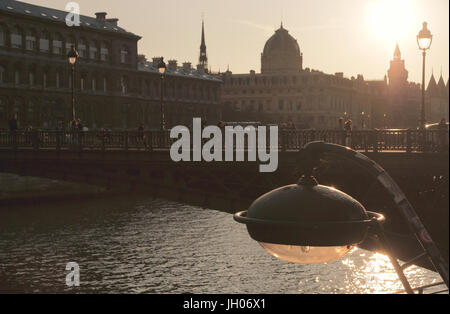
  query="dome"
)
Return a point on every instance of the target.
[{"x": 281, "y": 53}]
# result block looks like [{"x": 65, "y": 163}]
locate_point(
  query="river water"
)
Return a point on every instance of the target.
[{"x": 142, "y": 245}]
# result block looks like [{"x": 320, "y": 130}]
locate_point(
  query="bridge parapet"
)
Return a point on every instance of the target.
[{"x": 288, "y": 140}]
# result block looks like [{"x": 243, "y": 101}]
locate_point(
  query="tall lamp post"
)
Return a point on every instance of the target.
[
  {"x": 72, "y": 57},
  {"x": 162, "y": 71},
  {"x": 424, "y": 40}
]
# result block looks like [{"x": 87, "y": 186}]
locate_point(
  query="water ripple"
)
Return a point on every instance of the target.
[{"x": 155, "y": 246}]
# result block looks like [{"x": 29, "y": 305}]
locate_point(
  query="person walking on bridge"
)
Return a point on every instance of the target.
[{"x": 348, "y": 133}]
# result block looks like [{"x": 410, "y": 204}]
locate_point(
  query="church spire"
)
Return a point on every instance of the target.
[
  {"x": 397, "y": 53},
  {"x": 203, "y": 60}
]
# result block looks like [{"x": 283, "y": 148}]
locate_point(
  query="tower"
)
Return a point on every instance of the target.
[
  {"x": 398, "y": 75},
  {"x": 203, "y": 59}
]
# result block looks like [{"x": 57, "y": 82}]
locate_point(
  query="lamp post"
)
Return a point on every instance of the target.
[
  {"x": 72, "y": 57},
  {"x": 362, "y": 120},
  {"x": 385, "y": 121},
  {"x": 424, "y": 40},
  {"x": 162, "y": 71},
  {"x": 308, "y": 223}
]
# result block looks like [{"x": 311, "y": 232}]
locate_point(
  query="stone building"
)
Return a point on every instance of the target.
[
  {"x": 114, "y": 87},
  {"x": 285, "y": 92},
  {"x": 404, "y": 99}
]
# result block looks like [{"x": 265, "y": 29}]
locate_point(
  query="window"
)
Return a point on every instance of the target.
[
  {"x": 30, "y": 41},
  {"x": 123, "y": 84},
  {"x": 124, "y": 55},
  {"x": 31, "y": 77},
  {"x": 2, "y": 75},
  {"x": 16, "y": 38},
  {"x": 104, "y": 52},
  {"x": 281, "y": 104},
  {"x": 94, "y": 84},
  {"x": 2, "y": 109},
  {"x": 93, "y": 50},
  {"x": 2, "y": 37},
  {"x": 57, "y": 80},
  {"x": 70, "y": 41},
  {"x": 57, "y": 45},
  {"x": 44, "y": 80},
  {"x": 44, "y": 42},
  {"x": 82, "y": 80},
  {"x": 82, "y": 48},
  {"x": 105, "y": 85},
  {"x": 17, "y": 77}
]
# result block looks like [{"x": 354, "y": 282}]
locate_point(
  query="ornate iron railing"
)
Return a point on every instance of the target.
[{"x": 288, "y": 140}]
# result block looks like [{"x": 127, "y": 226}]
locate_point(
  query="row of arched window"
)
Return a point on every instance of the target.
[
  {"x": 50, "y": 78},
  {"x": 45, "y": 42},
  {"x": 284, "y": 80},
  {"x": 57, "y": 78}
]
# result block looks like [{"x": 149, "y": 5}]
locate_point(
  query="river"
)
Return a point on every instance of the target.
[{"x": 136, "y": 244}]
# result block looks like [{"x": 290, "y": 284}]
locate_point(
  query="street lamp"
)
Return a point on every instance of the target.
[
  {"x": 72, "y": 57},
  {"x": 362, "y": 120},
  {"x": 308, "y": 223},
  {"x": 424, "y": 40},
  {"x": 162, "y": 71}
]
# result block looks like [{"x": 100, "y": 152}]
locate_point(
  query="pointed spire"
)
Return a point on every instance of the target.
[
  {"x": 203, "y": 59},
  {"x": 397, "y": 53},
  {"x": 441, "y": 86},
  {"x": 203, "y": 44},
  {"x": 432, "y": 85}
]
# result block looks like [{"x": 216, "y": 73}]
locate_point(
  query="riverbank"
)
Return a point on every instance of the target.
[{"x": 19, "y": 190}]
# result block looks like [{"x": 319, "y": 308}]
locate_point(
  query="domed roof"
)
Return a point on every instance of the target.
[
  {"x": 281, "y": 42},
  {"x": 281, "y": 53}
]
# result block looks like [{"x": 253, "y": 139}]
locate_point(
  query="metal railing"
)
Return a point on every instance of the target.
[{"x": 288, "y": 140}]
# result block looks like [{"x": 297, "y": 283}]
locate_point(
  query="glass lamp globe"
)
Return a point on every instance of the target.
[
  {"x": 424, "y": 38},
  {"x": 306, "y": 254},
  {"x": 306, "y": 223}
]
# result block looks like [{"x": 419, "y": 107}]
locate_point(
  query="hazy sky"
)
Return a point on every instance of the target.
[{"x": 350, "y": 36}]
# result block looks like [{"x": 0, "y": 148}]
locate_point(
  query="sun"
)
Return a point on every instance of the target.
[{"x": 391, "y": 20}]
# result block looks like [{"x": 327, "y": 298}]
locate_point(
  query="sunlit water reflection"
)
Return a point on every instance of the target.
[{"x": 135, "y": 245}]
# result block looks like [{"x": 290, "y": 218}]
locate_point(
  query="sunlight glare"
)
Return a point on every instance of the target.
[{"x": 391, "y": 20}]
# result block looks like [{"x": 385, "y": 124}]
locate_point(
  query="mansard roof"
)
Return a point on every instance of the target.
[{"x": 53, "y": 15}]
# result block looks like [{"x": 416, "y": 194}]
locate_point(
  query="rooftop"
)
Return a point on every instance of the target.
[
  {"x": 17, "y": 7},
  {"x": 148, "y": 66}
]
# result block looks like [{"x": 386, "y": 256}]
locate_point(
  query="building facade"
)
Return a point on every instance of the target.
[
  {"x": 285, "y": 92},
  {"x": 115, "y": 87}
]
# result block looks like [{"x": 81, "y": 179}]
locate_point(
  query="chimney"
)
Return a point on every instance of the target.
[
  {"x": 101, "y": 17},
  {"x": 113, "y": 21},
  {"x": 173, "y": 65},
  {"x": 155, "y": 61},
  {"x": 142, "y": 59},
  {"x": 339, "y": 74},
  {"x": 187, "y": 66}
]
